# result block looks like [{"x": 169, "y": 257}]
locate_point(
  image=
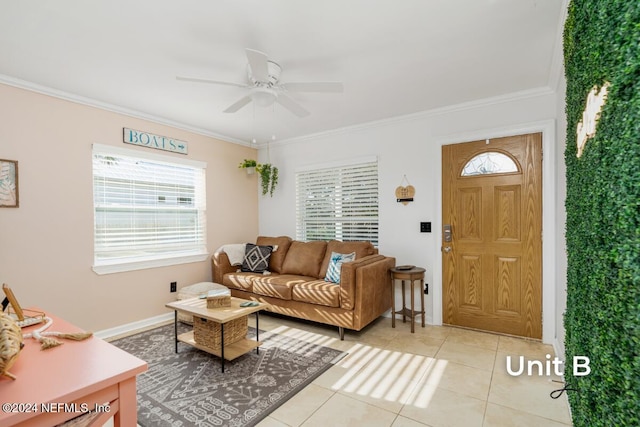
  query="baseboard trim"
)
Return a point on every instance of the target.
[
  {"x": 134, "y": 326},
  {"x": 558, "y": 348}
]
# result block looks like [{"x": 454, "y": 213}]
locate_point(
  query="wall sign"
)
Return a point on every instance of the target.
[
  {"x": 150, "y": 140},
  {"x": 587, "y": 126},
  {"x": 404, "y": 194}
]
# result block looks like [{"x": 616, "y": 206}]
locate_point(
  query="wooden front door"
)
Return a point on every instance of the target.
[{"x": 492, "y": 211}]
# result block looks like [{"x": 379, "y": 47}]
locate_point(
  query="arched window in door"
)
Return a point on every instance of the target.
[{"x": 489, "y": 163}]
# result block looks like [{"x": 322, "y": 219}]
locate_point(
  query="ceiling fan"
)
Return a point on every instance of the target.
[{"x": 265, "y": 88}]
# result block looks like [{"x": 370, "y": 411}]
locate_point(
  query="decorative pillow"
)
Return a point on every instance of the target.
[
  {"x": 256, "y": 258},
  {"x": 361, "y": 248},
  {"x": 335, "y": 264}
]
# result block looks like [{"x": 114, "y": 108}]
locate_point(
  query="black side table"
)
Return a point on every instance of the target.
[{"x": 411, "y": 275}]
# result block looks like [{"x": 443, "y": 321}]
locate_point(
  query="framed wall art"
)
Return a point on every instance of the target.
[{"x": 9, "y": 184}]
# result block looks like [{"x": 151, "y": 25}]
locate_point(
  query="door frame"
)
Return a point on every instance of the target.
[{"x": 550, "y": 235}]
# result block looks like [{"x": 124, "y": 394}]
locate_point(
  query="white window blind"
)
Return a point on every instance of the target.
[
  {"x": 338, "y": 202},
  {"x": 147, "y": 207}
]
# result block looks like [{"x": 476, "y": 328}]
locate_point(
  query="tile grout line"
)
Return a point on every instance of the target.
[
  {"x": 418, "y": 382},
  {"x": 486, "y": 406}
]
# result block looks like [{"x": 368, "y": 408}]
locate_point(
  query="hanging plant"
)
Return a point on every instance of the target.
[
  {"x": 249, "y": 165},
  {"x": 274, "y": 180},
  {"x": 268, "y": 177}
]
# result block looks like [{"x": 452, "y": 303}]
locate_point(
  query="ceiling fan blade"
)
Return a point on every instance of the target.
[
  {"x": 258, "y": 63},
  {"x": 238, "y": 105},
  {"x": 215, "y": 82},
  {"x": 291, "y": 105},
  {"x": 327, "y": 87}
]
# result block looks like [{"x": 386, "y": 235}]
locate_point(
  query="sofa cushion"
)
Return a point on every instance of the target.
[
  {"x": 279, "y": 253},
  {"x": 256, "y": 258},
  {"x": 362, "y": 249},
  {"x": 335, "y": 266},
  {"x": 242, "y": 281},
  {"x": 277, "y": 286},
  {"x": 305, "y": 258},
  {"x": 317, "y": 292}
]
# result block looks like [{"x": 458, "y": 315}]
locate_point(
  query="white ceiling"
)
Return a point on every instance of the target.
[{"x": 394, "y": 57}]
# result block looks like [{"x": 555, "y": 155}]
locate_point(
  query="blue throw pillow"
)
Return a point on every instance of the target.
[{"x": 335, "y": 265}]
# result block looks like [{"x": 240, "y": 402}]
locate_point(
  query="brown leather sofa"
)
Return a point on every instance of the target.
[{"x": 296, "y": 286}]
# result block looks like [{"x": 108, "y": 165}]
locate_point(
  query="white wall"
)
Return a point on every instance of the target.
[
  {"x": 411, "y": 146},
  {"x": 561, "y": 265}
]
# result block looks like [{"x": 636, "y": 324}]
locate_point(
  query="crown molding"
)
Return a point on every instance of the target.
[
  {"x": 486, "y": 102},
  {"x": 421, "y": 115},
  {"x": 33, "y": 87}
]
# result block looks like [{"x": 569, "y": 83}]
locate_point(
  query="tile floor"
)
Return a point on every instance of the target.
[{"x": 439, "y": 376}]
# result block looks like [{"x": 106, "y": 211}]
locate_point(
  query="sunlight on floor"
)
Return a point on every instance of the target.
[
  {"x": 305, "y": 336},
  {"x": 428, "y": 384},
  {"x": 390, "y": 375},
  {"x": 378, "y": 373},
  {"x": 435, "y": 377}
]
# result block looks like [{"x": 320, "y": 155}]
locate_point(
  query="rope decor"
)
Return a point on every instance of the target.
[
  {"x": 48, "y": 342},
  {"x": 12, "y": 340}
]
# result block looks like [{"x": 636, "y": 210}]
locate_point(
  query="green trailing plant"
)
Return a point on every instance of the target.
[
  {"x": 274, "y": 180},
  {"x": 602, "y": 320},
  {"x": 268, "y": 177},
  {"x": 268, "y": 174},
  {"x": 247, "y": 163}
]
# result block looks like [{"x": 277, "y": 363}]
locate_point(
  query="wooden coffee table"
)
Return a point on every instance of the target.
[{"x": 197, "y": 307}]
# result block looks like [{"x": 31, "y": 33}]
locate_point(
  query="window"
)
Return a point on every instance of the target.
[
  {"x": 149, "y": 210},
  {"x": 489, "y": 163},
  {"x": 338, "y": 202}
]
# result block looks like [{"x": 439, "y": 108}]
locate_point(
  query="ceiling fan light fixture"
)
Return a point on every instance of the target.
[
  {"x": 263, "y": 97},
  {"x": 264, "y": 86}
]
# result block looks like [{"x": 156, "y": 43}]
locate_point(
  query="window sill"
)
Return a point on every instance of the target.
[{"x": 121, "y": 267}]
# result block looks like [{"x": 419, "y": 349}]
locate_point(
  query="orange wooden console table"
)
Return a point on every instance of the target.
[{"x": 63, "y": 382}]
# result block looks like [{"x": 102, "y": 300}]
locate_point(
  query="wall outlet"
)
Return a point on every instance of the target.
[
  {"x": 173, "y": 286},
  {"x": 426, "y": 289}
]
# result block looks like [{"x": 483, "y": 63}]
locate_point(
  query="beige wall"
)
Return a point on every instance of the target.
[{"x": 46, "y": 245}]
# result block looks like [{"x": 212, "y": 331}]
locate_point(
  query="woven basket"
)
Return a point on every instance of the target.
[
  {"x": 10, "y": 344},
  {"x": 193, "y": 291},
  {"x": 207, "y": 332},
  {"x": 219, "y": 301}
]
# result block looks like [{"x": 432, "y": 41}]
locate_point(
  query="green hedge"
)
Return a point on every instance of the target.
[{"x": 602, "y": 321}]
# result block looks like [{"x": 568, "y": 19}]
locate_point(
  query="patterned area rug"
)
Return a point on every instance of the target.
[{"x": 188, "y": 389}]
